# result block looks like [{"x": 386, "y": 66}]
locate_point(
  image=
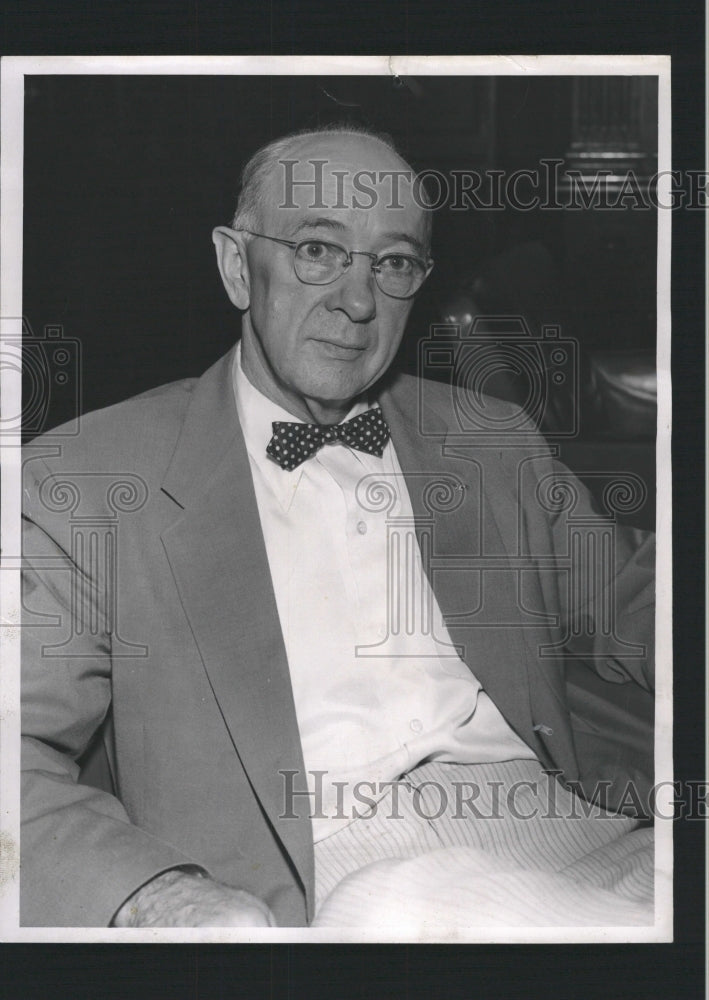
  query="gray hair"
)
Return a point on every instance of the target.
[{"x": 257, "y": 171}]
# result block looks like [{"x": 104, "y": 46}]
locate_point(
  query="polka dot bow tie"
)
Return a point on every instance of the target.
[{"x": 293, "y": 443}]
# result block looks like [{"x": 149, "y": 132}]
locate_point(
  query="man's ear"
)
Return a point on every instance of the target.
[{"x": 231, "y": 260}]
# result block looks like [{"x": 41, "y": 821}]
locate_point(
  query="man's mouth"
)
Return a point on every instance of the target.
[{"x": 342, "y": 349}]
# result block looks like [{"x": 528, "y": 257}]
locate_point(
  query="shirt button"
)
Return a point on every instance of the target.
[
  {"x": 416, "y": 725},
  {"x": 362, "y": 527}
]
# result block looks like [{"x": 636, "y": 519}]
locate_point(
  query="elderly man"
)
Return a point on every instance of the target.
[{"x": 241, "y": 633}]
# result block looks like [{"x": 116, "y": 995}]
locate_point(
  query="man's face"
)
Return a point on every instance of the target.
[{"x": 314, "y": 348}]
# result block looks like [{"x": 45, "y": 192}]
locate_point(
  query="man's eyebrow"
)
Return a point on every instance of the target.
[
  {"x": 321, "y": 222},
  {"x": 401, "y": 237}
]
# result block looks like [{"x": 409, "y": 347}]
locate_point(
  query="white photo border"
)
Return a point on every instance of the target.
[{"x": 13, "y": 71}]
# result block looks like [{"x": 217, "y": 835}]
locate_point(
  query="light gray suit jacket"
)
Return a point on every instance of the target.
[{"x": 151, "y": 605}]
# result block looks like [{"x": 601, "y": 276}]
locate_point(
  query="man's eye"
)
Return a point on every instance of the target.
[
  {"x": 396, "y": 264},
  {"x": 314, "y": 250}
]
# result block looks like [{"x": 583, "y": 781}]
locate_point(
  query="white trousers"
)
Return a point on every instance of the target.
[{"x": 465, "y": 845}]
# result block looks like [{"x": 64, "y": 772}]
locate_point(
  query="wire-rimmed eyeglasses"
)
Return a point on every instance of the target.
[{"x": 317, "y": 262}]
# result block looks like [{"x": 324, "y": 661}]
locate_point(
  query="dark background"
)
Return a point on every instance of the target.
[
  {"x": 125, "y": 177},
  {"x": 35, "y": 972}
]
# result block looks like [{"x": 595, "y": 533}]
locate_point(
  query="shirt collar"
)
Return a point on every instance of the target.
[{"x": 256, "y": 415}]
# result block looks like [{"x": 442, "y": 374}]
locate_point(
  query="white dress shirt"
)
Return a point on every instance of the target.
[{"x": 370, "y": 704}]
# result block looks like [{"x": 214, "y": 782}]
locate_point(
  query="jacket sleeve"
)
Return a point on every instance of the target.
[{"x": 81, "y": 855}]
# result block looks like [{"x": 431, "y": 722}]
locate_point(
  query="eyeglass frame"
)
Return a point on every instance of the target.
[{"x": 375, "y": 258}]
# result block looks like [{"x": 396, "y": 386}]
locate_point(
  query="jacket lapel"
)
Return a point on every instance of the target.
[
  {"x": 218, "y": 557},
  {"x": 495, "y": 654}
]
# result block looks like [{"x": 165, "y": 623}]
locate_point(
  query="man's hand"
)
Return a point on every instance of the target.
[{"x": 182, "y": 899}]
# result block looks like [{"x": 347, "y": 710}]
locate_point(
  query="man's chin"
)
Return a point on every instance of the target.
[
  {"x": 331, "y": 404},
  {"x": 335, "y": 384}
]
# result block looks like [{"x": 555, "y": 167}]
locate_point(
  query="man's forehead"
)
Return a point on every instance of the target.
[{"x": 350, "y": 179}]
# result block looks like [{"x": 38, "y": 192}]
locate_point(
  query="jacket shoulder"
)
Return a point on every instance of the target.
[{"x": 137, "y": 433}]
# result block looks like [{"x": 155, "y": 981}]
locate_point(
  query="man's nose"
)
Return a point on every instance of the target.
[{"x": 354, "y": 292}]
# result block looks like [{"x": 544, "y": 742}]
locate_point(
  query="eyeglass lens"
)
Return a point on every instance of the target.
[{"x": 318, "y": 263}]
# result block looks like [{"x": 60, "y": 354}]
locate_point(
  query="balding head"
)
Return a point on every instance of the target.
[{"x": 286, "y": 162}]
